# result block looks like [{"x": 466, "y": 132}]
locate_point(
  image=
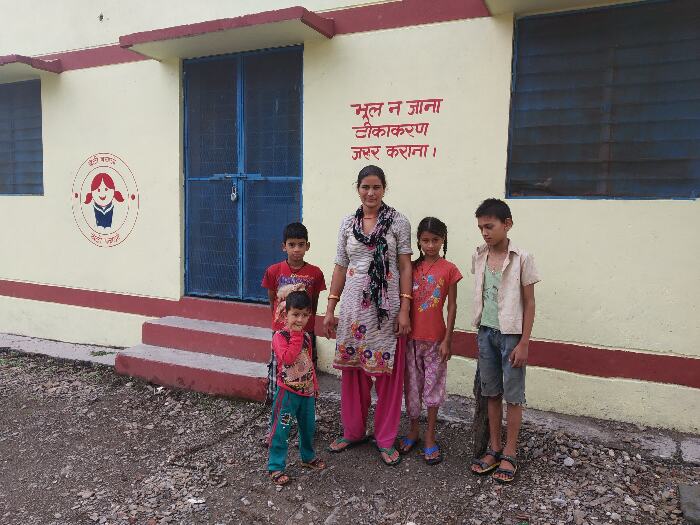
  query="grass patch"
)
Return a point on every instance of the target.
[{"x": 98, "y": 353}]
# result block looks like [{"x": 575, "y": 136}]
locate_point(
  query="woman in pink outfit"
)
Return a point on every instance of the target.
[{"x": 373, "y": 275}]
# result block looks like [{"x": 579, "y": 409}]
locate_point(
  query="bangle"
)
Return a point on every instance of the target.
[
  {"x": 406, "y": 295},
  {"x": 336, "y": 297}
]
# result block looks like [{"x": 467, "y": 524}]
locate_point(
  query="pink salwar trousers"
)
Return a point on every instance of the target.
[{"x": 356, "y": 397}]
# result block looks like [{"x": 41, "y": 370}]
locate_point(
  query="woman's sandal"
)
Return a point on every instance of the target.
[
  {"x": 510, "y": 473},
  {"x": 389, "y": 452},
  {"x": 432, "y": 450},
  {"x": 406, "y": 445},
  {"x": 485, "y": 467},
  {"x": 348, "y": 444},
  {"x": 279, "y": 478},
  {"x": 315, "y": 464}
]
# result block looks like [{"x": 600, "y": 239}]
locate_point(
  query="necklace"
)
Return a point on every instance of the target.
[
  {"x": 367, "y": 218},
  {"x": 424, "y": 273},
  {"x": 294, "y": 271},
  {"x": 497, "y": 269}
]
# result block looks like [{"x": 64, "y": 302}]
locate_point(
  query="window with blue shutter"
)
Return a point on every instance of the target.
[
  {"x": 606, "y": 103},
  {"x": 21, "y": 153}
]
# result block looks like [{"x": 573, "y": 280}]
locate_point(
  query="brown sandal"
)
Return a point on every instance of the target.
[
  {"x": 279, "y": 478},
  {"x": 484, "y": 467},
  {"x": 507, "y": 472},
  {"x": 315, "y": 464}
]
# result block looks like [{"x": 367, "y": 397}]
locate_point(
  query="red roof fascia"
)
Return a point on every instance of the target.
[
  {"x": 52, "y": 66},
  {"x": 318, "y": 23}
]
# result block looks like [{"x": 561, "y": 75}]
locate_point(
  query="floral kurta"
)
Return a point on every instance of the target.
[{"x": 360, "y": 343}]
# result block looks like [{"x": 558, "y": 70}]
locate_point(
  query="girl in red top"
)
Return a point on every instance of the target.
[{"x": 434, "y": 280}]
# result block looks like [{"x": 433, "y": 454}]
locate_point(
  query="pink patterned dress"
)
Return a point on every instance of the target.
[{"x": 360, "y": 342}]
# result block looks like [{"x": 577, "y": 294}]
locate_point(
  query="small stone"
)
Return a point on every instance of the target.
[
  {"x": 308, "y": 506},
  {"x": 568, "y": 462},
  {"x": 629, "y": 501}
]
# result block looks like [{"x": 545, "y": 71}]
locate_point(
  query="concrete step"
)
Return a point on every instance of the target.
[
  {"x": 224, "y": 311},
  {"x": 211, "y": 374},
  {"x": 249, "y": 343}
]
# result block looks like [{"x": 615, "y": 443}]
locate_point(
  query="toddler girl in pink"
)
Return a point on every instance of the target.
[{"x": 434, "y": 280}]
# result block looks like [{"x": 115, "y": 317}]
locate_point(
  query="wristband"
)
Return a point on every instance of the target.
[
  {"x": 407, "y": 296},
  {"x": 336, "y": 297}
]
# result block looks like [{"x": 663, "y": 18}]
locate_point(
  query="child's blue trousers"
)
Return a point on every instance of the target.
[{"x": 287, "y": 406}]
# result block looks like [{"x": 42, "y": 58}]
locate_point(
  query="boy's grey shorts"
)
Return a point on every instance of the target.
[{"x": 497, "y": 375}]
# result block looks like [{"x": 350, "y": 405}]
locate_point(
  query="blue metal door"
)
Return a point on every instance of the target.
[{"x": 242, "y": 168}]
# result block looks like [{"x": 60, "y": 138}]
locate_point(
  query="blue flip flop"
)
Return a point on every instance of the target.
[
  {"x": 406, "y": 445},
  {"x": 432, "y": 450}
]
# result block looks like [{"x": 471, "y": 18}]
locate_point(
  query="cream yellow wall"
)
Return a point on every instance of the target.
[
  {"x": 130, "y": 110},
  {"x": 613, "y": 271},
  {"x": 40, "y": 27},
  {"x": 467, "y": 63},
  {"x": 69, "y": 323},
  {"x": 606, "y": 398}
]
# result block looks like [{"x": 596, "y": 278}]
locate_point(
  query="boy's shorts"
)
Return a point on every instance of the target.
[{"x": 497, "y": 375}]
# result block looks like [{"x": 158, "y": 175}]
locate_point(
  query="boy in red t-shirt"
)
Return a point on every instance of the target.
[{"x": 292, "y": 274}]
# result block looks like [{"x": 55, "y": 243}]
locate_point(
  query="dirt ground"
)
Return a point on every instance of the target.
[{"x": 80, "y": 444}]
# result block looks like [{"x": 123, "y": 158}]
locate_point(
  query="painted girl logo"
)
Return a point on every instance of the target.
[
  {"x": 102, "y": 195},
  {"x": 105, "y": 200}
]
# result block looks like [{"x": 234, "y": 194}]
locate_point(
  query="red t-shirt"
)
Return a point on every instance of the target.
[
  {"x": 431, "y": 283},
  {"x": 295, "y": 366},
  {"x": 281, "y": 279}
]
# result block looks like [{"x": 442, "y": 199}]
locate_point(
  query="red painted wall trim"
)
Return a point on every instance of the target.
[
  {"x": 404, "y": 13},
  {"x": 212, "y": 310},
  {"x": 389, "y": 15},
  {"x": 599, "y": 362},
  {"x": 579, "y": 359},
  {"x": 43, "y": 64},
  {"x": 95, "y": 57},
  {"x": 314, "y": 21}
]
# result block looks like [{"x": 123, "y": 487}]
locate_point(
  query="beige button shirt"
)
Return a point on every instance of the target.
[{"x": 518, "y": 270}]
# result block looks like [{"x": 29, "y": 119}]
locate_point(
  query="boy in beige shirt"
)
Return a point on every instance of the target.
[{"x": 504, "y": 312}]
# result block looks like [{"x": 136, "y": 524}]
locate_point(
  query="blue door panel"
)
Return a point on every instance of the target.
[
  {"x": 269, "y": 206},
  {"x": 212, "y": 247},
  {"x": 273, "y": 114},
  {"x": 242, "y": 168}
]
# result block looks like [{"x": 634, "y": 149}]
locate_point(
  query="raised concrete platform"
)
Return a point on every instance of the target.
[
  {"x": 203, "y": 353},
  {"x": 196, "y": 371},
  {"x": 249, "y": 343}
]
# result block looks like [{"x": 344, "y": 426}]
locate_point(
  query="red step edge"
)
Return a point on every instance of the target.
[
  {"x": 206, "y": 342},
  {"x": 197, "y": 379}
]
